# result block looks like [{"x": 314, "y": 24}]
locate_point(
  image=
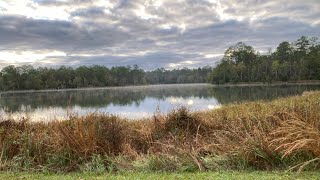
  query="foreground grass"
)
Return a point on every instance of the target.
[
  {"x": 278, "y": 135},
  {"x": 140, "y": 175}
]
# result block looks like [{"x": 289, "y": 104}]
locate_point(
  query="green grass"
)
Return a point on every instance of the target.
[{"x": 141, "y": 175}]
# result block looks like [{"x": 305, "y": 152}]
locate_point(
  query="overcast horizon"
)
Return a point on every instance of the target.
[{"x": 151, "y": 34}]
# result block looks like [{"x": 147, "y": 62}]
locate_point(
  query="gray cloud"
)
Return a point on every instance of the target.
[
  {"x": 170, "y": 34},
  {"x": 22, "y": 33},
  {"x": 62, "y": 3},
  {"x": 158, "y": 59},
  {"x": 89, "y": 12}
]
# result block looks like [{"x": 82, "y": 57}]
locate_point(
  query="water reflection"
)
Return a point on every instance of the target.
[{"x": 133, "y": 102}]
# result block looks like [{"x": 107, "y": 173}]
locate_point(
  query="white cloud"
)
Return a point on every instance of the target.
[
  {"x": 212, "y": 55},
  {"x": 33, "y": 10},
  {"x": 27, "y": 56},
  {"x": 141, "y": 12}
]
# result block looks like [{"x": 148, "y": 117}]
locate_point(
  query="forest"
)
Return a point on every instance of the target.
[
  {"x": 299, "y": 60},
  {"x": 296, "y": 61},
  {"x": 27, "y": 77}
]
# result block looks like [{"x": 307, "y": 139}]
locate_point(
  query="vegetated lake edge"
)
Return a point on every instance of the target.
[{"x": 277, "y": 135}]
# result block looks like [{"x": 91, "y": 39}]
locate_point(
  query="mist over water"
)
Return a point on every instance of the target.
[{"x": 134, "y": 102}]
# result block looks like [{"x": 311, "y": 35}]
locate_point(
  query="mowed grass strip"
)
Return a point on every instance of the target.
[{"x": 224, "y": 175}]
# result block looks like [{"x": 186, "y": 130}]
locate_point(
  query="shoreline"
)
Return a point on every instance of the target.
[
  {"x": 241, "y": 84},
  {"x": 106, "y": 87},
  {"x": 278, "y": 83}
]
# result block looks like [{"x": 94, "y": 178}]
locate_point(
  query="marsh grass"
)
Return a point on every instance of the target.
[{"x": 278, "y": 135}]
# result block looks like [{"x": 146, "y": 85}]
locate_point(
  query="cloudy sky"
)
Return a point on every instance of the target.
[{"x": 150, "y": 33}]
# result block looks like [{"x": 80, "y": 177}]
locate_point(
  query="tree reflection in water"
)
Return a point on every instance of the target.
[{"x": 138, "y": 98}]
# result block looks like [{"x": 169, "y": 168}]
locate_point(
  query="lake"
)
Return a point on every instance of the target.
[{"x": 134, "y": 101}]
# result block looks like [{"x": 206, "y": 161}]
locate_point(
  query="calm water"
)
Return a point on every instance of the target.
[{"x": 134, "y": 102}]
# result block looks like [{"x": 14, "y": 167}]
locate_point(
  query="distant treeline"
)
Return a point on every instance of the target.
[
  {"x": 27, "y": 77},
  {"x": 299, "y": 60}
]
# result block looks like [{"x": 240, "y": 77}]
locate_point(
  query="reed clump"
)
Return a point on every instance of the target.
[{"x": 277, "y": 135}]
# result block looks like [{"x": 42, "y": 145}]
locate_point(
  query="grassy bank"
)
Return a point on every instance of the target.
[{"x": 279, "y": 135}]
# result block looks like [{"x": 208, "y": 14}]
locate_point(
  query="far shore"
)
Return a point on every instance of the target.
[{"x": 240, "y": 84}]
